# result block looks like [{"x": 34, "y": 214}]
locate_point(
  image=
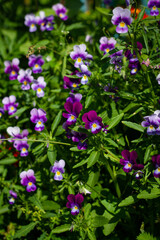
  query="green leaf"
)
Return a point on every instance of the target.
[
  {"x": 25, "y": 230},
  {"x": 114, "y": 121},
  {"x": 93, "y": 179},
  {"x": 43, "y": 236},
  {"x": 147, "y": 153},
  {"x": 19, "y": 112},
  {"x": 50, "y": 205},
  {"x": 4, "y": 209},
  {"x": 81, "y": 163},
  {"x": 91, "y": 235},
  {"x": 62, "y": 228},
  {"x": 130, "y": 106},
  {"x": 140, "y": 15},
  {"x": 104, "y": 11},
  {"x": 111, "y": 142},
  {"x": 41, "y": 43},
  {"x": 146, "y": 236},
  {"x": 150, "y": 194},
  {"x": 87, "y": 210},
  {"x": 99, "y": 221},
  {"x": 93, "y": 158},
  {"x": 109, "y": 228},
  {"x": 135, "y": 126},
  {"x": 128, "y": 201},
  {"x": 56, "y": 122},
  {"x": 36, "y": 202},
  {"x": 73, "y": 26},
  {"x": 74, "y": 149},
  {"x": 145, "y": 40},
  {"x": 88, "y": 101},
  {"x": 52, "y": 154},
  {"x": 8, "y": 161}
]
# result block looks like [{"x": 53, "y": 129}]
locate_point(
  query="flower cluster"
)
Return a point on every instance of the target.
[
  {"x": 116, "y": 59},
  {"x": 154, "y": 5},
  {"x": 25, "y": 78},
  {"x": 152, "y": 123}
]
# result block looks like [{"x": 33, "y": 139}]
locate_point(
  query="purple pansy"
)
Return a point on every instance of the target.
[
  {"x": 107, "y": 44},
  {"x": 152, "y": 123},
  {"x": 79, "y": 54},
  {"x": 84, "y": 74},
  {"x": 127, "y": 2},
  {"x": 1, "y": 112},
  {"x": 72, "y": 83},
  {"x": 116, "y": 59},
  {"x": 46, "y": 23},
  {"x": 36, "y": 62},
  {"x": 73, "y": 110},
  {"x": 10, "y": 104},
  {"x": 156, "y": 162},
  {"x": 74, "y": 202},
  {"x": 60, "y": 11},
  {"x": 121, "y": 18},
  {"x": 22, "y": 146},
  {"x": 129, "y": 161},
  {"x": 38, "y": 116},
  {"x": 38, "y": 86},
  {"x": 31, "y": 21},
  {"x": 58, "y": 169},
  {"x": 25, "y": 78},
  {"x": 28, "y": 179},
  {"x": 92, "y": 121},
  {"x": 12, "y": 68},
  {"x": 12, "y": 197},
  {"x": 154, "y": 4},
  {"x": 80, "y": 138},
  {"x": 74, "y": 98}
]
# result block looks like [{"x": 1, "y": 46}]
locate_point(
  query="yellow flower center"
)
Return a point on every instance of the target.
[
  {"x": 39, "y": 89},
  {"x": 94, "y": 125},
  {"x": 58, "y": 173},
  {"x": 0, "y": 114},
  {"x": 129, "y": 165},
  {"x": 72, "y": 117},
  {"x": 159, "y": 169},
  {"x": 79, "y": 60},
  {"x": 61, "y": 15},
  {"x": 85, "y": 77},
  {"x": 30, "y": 183},
  {"x": 76, "y": 207},
  {"x": 23, "y": 149},
  {"x": 13, "y": 72},
  {"x": 39, "y": 122},
  {"x": 12, "y": 108},
  {"x": 154, "y": 8},
  {"x": 42, "y": 23},
  {"x": 107, "y": 50},
  {"x": 122, "y": 24},
  {"x": 25, "y": 82},
  {"x": 135, "y": 70},
  {"x": 32, "y": 25},
  {"x": 151, "y": 127},
  {"x": 74, "y": 85},
  {"x": 36, "y": 66}
]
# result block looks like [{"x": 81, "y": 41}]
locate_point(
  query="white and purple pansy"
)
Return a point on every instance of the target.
[
  {"x": 121, "y": 18},
  {"x": 152, "y": 123},
  {"x": 58, "y": 169},
  {"x": 46, "y": 23},
  {"x": 22, "y": 146},
  {"x": 12, "y": 68},
  {"x": 36, "y": 62},
  {"x": 73, "y": 110},
  {"x": 92, "y": 121},
  {"x": 10, "y": 104},
  {"x": 38, "y": 116},
  {"x": 60, "y": 11},
  {"x": 156, "y": 162},
  {"x": 84, "y": 74},
  {"x": 154, "y": 5},
  {"x": 74, "y": 97},
  {"x": 107, "y": 44},
  {"x": 25, "y": 78},
  {"x": 12, "y": 197},
  {"x": 28, "y": 179},
  {"x": 31, "y": 21},
  {"x": 38, "y": 86},
  {"x": 128, "y": 160},
  {"x": 75, "y": 203}
]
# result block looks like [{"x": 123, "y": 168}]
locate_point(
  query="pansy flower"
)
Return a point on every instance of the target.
[
  {"x": 74, "y": 202},
  {"x": 92, "y": 121},
  {"x": 36, "y": 62},
  {"x": 22, "y": 146},
  {"x": 38, "y": 116},
  {"x": 73, "y": 110},
  {"x": 116, "y": 59},
  {"x": 58, "y": 169},
  {"x": 46, "y": 23},
  {"x": 74, "y": 98},
  {"x": 60, "y": 11},
  {"x": 25, "y": 78},
  {"x": 12, "y": 68},
  {"x": 154, "y": 5},
  {"x": 72, "y": 83},
  {"x": 156, "y": 162},
  {"x": 107, "y": 44},
  {"x": 152, "y": 123},
  {"x": 12, "y": 197},
  {"x": 84, "y": 74},
  {"x": 28, "y": 179},
  {"x": 10, "y": 104},
  {"x": 31, "y": 21},
  {"x": 121, "y": 18},
  {"x": 38, "y": 86}
]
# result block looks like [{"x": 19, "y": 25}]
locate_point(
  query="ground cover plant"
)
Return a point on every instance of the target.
[{"x": 80, "y": 120}]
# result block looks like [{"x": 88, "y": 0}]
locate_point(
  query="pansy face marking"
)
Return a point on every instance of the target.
[
  {"x": 122, "y": 24},
  {"x": 79, "y": 59},
  {"x": 36, "y": 66},
  {"x": 74, "y": 85}
]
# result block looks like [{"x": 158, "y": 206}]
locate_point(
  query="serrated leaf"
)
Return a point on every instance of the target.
[
  {"x": 25, "y": 230},
  {"x": 128, "y": 201},
  {"x": 134, "y": 126},
  {"x": 62, "y": 228},
  {"x": 114, "y": 121},
  {"x": 93, "y": 158},
  {"x": 146, "y": 236},
  {"x": 56, "y": 122}
]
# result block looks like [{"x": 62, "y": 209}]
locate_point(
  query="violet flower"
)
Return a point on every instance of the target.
[
  {"x": 74, "y": 202},
  {"x": 152, "y": 123},
  {"x": 12, "y": 197},
  {"x": 156, "y": 162},
  {"x": 89, "y": 39},
  {"x": 14, "y": 132},
  {"x": 154, "y": 4},
  {"x": 12, "y": 68},
  {"x": 58, "y": 169},
  {"x": 22, "y": 146},
  {"x": 79, "y": 54},
  {"x": 121, "y": 18},
  {"x": 38, "y": 86},
  {"x": 138, "y": 174},
  {"x": 92, "y": 121},
  {"x": 72, "y": 83},
  {"x": 80, "y": 138},
  {"x": 129, "y": 161},
  {"x": 116, "y": 59},
  {"x": 28, "y": 179},
  {"x": 10, "y": 104},
  {"x": 1, "y": 112},
  {"x": 73, "y": 110},
  {"x": 25, "y": 78},
  {"x": 74, "y": 98},
  {"x": 127, "y": 2},
  {"x": 106, "y": 44},
  {"x": 36, "y": 62},
  {"x": 38, "y": 116},
  {"x": 46, "y": 23},
  {"x": 84, "y": 74},
  {"x": 31, "y": 21},
  {"x": 60, "y": 11}
]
